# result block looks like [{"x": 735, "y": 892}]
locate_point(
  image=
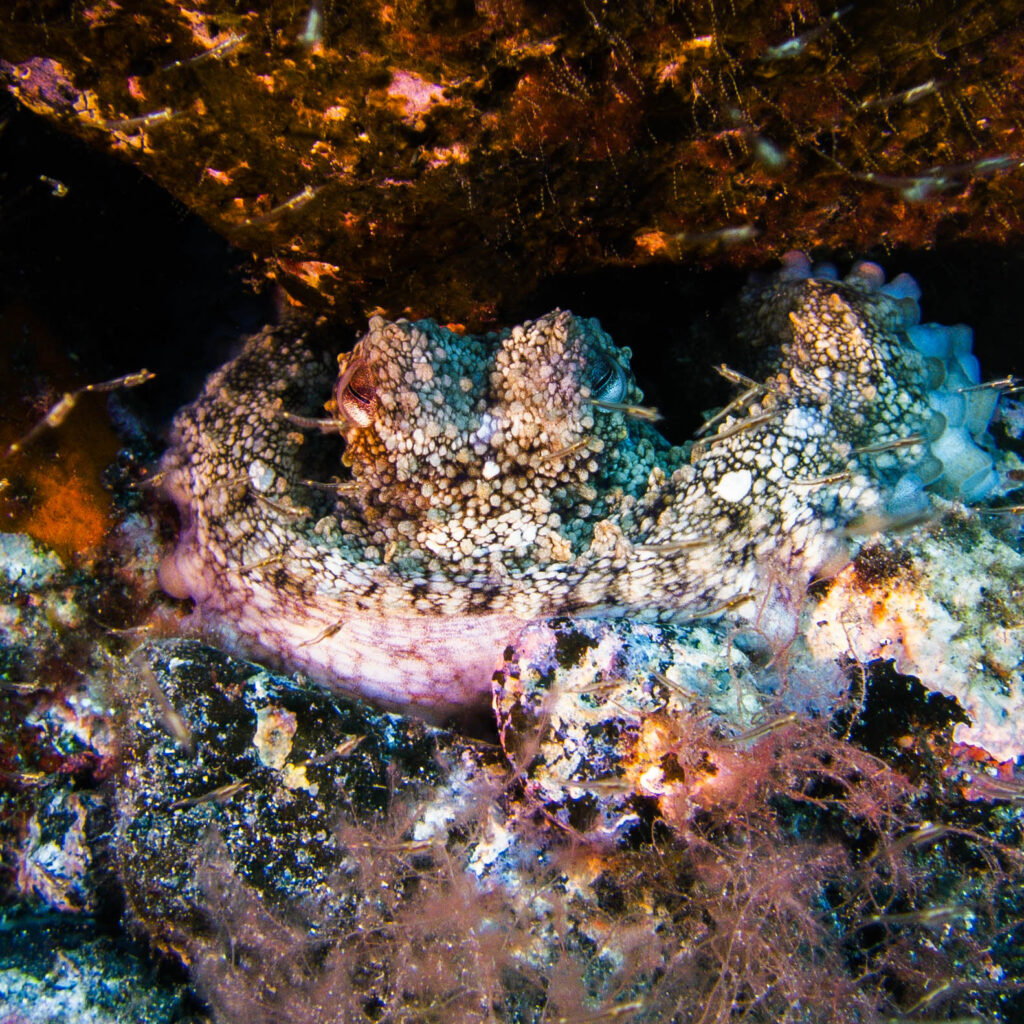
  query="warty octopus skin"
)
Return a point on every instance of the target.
[{"x": 491, "y": 481}]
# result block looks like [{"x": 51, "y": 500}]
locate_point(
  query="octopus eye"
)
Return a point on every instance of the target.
[
  {"x": 356, "y": 395},
  {"x": 606, "y": 379}
]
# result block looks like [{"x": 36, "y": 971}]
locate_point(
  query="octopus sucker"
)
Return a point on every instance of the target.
[{"x": 481, "y": 483}]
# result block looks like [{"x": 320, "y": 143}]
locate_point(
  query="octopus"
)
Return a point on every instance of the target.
[{"x": 463, "y": 487}]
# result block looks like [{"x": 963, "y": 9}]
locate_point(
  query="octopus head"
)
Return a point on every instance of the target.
[{"x": 456, "y": 431}]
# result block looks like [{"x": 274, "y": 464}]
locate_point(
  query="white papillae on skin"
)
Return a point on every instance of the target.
[{"x": 487, "y": 490}]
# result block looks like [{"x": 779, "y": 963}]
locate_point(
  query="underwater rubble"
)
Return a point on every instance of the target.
[{"x": 655, "y": 834}]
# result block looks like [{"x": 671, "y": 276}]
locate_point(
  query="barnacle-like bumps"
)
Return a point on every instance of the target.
[{"x": 495, "y": 480}]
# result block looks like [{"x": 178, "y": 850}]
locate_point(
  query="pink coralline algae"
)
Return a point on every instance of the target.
[
  {"x": 415, "y": 94},
  {"x": 42, "y": 80}
]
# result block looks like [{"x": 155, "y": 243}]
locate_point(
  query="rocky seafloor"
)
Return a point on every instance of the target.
[{"x": 629, "y": 845}]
